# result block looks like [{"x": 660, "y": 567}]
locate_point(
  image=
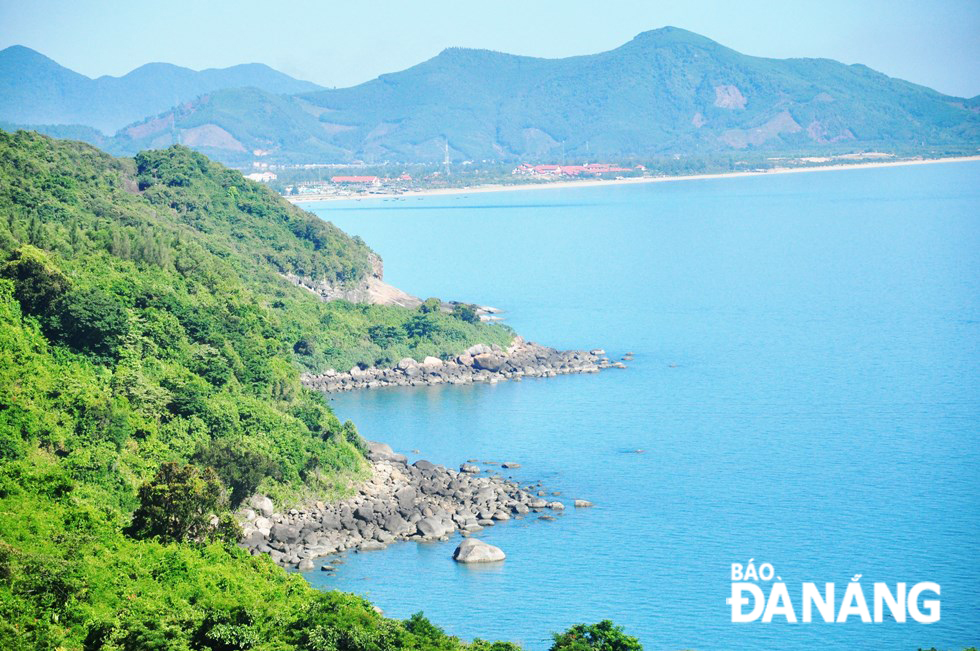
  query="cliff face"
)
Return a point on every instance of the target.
[{"x": 370, "y": 289}]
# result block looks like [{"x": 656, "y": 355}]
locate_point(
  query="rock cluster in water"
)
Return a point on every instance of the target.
[
  {"x": 480, "y": 363},
  {"x": 421, "y": 501}
]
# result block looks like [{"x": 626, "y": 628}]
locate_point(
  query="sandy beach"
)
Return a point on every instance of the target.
[{"x": 547, "y": 185}]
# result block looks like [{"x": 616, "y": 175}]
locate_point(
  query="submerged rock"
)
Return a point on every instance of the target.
[{"x": 474, "y": 550}]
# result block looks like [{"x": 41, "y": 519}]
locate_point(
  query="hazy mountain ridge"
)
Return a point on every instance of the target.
[
  {"x": 667, "y": 91},
  {"x": 36, "y": 90}
]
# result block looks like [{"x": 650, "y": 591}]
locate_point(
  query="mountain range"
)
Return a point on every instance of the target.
[
  {"x": 667, "y": 91},
  {"x": 36, "y": 90}
]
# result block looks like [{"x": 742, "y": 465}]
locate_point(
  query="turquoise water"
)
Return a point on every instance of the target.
[{"x": 805, "y": 391}]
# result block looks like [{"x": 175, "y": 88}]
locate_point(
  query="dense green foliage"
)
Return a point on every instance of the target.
[
  {"x": 604, "y": 636},
  {"x": 36, "y": 90},
  {"x": 150, "y": 358}
]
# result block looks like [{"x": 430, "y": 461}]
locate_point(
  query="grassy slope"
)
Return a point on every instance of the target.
[{"x": 143, "y": 319}]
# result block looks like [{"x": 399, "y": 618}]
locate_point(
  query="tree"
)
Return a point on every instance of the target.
[
  {"x": 93, "y": 321},
  {"x": 38, "y": 283},
  {"x": 430, "y": 305},
  {"x": 178, "y": 505},
  {"x": 386, "y": 335},
  {"x": 304, "y": 347},
  {"x": 421, "y": 326},
  {"x": 240, "y": 468},
  {"x": 465, "y": 312},
  {"x": 604, "y": 636}
]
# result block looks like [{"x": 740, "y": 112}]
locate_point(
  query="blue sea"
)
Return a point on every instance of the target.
[{"x": 805, "y": 392}]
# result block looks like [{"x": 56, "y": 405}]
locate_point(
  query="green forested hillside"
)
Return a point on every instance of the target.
[
  {"x": 231, "y": 124},
  {"x": 144, "y": 321}
]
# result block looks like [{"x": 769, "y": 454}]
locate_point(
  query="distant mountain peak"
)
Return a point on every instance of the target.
[
  {"x": 472, "y": 55},
  {"x": 23, "y": 55},
  {"x": 671, "y": 36}
]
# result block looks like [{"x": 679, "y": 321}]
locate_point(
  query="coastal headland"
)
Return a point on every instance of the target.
[
  {"x": 421, "y": 501},
  {"x": 479, "y": 363}
]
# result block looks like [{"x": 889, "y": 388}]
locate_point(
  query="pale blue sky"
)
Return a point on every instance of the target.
[{"x": 934, "y": 42}]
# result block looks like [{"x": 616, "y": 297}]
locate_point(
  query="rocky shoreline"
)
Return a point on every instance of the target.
[
  {"x": 420, "y": 501},
  {"x": 480, "y": 363}
]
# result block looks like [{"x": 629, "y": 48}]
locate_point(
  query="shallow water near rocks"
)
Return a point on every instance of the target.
[{"x": 804, "y": 390}]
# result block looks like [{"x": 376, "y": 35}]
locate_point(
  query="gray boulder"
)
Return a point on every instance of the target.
[
  {"x": 383, "y": 452},
  {"x": 262, "y": 504},
  {"x": 474, "y": 550},
  {"x": 254, "y": 539},
  {"x": 305, "y": 565},
  {"x": 263, "y": 524},
  {"x": 581, "y": 504},
  {"x": 430, "y": 528},
  {"x": 405, "y": 497},
  {"x": 487, "y": 362},
  {"x": 396, "y": 524},
  {"x": 286, "y": 533},
  {"x": 431, "y": 363}
]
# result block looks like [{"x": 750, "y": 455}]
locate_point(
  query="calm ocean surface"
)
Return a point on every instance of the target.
[{"x": 806, "y": 391}]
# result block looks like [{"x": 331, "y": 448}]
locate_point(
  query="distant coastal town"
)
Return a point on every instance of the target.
[
  {"x": 345, "y": 185},
  {"x": 295, "y": 183}
]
